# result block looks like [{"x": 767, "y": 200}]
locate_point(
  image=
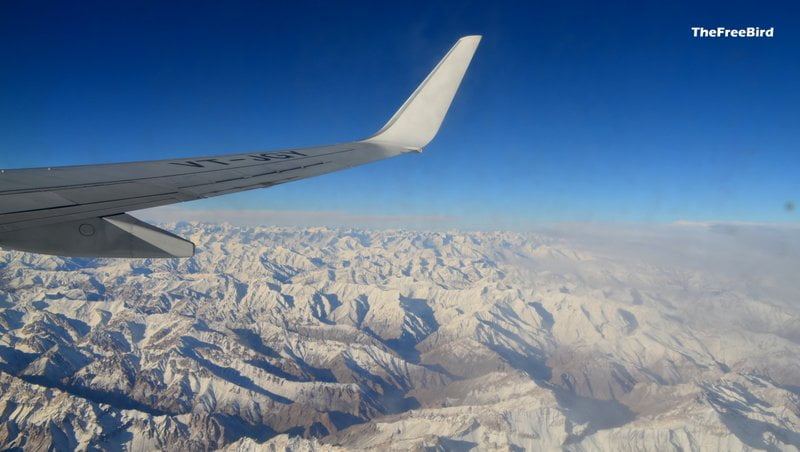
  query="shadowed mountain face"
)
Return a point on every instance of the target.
[{"x": 671, "y": 337}]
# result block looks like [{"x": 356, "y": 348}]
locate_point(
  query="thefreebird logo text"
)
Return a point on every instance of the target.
[{"x": 723, "y": 32}]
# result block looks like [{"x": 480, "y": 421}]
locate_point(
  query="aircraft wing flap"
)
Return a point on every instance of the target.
[
  {"x": 31, "y": 201},
  {"x": 112, "y": 236},
  {"x": 128, "y": 190},
  {"x": 22, "y": 220}
]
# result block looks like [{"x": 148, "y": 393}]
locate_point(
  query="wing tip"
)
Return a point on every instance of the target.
[
  {"x": 417, "y": 121},
  {"x": 476, "y": 38}
]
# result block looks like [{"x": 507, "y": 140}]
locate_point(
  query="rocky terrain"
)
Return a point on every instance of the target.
[{"x": 682, "y": 337}]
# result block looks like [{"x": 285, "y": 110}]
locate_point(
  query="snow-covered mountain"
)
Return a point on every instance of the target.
[{"x": 583, "y": 338}]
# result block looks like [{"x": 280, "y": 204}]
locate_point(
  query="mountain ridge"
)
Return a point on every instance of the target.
[{"x": 318, "y": 338}]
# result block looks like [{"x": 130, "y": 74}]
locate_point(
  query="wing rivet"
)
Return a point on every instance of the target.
[{"x": 86, "y": 230}]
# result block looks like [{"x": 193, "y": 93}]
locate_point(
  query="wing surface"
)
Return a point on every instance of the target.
[{"x": 81, "y": 210}]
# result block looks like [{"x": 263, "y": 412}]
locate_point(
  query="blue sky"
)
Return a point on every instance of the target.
[{"x": 570, "y": 112}]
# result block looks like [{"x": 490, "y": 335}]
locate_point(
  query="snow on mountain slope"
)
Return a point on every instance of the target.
[{"x": 583, "y": 338}]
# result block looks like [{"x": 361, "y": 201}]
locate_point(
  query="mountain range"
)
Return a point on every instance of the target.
[{"x": 574, "y": 337}]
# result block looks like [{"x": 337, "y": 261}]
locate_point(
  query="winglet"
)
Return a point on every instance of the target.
[{"x": 417, "y": 121}]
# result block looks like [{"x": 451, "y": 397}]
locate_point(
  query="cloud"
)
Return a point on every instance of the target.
[
  {"x": 753, "y": 255},
  {"x": 295, "y": 218}
]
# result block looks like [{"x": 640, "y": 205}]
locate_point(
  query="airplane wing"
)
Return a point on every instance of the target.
[{"x": 81, "y": 210}]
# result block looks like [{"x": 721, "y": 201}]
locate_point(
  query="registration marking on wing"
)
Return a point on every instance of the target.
[{"x": 260, "y": 157}]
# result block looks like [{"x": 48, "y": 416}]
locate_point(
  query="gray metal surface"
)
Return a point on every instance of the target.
[
  {"x": 35, "y": 197},
  {"x": 113, "y": 236}
]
